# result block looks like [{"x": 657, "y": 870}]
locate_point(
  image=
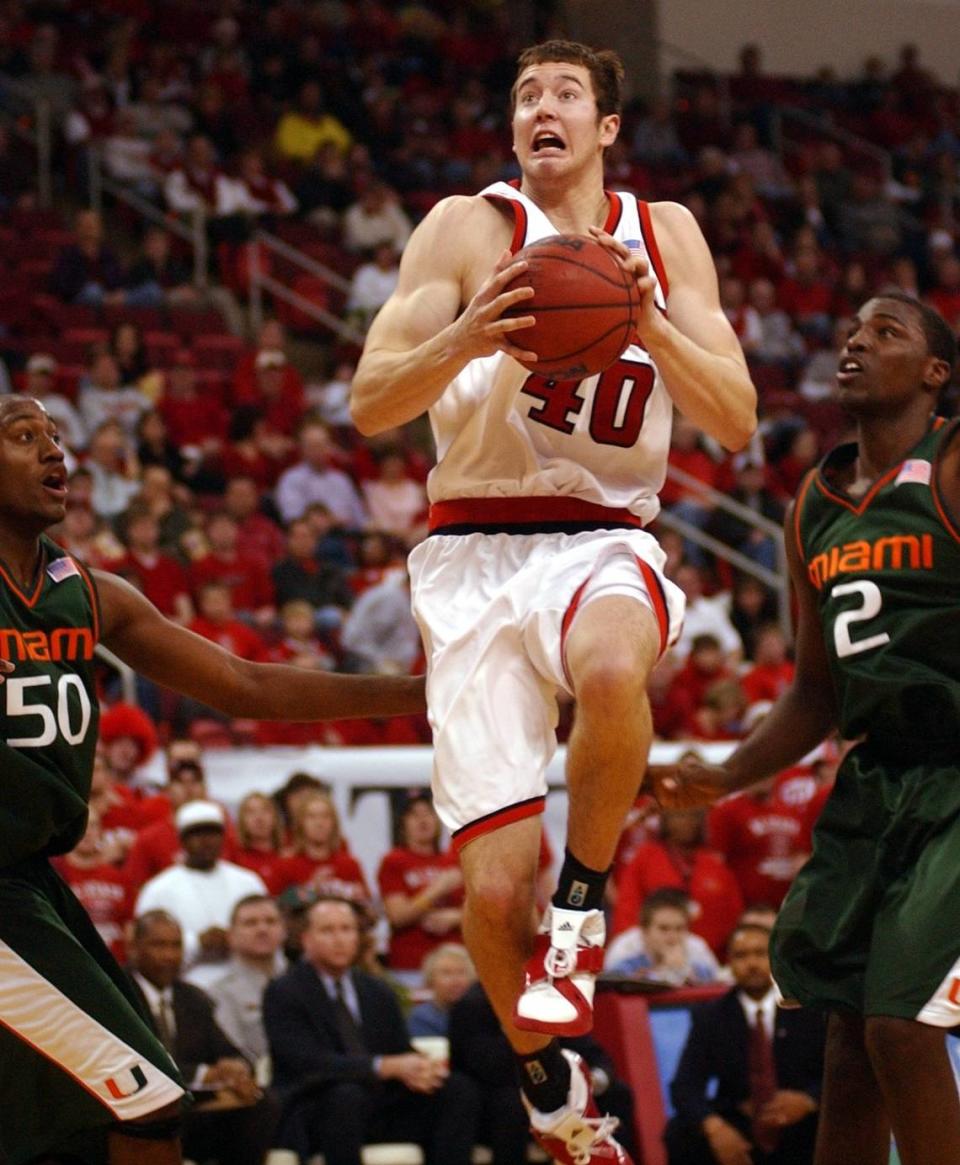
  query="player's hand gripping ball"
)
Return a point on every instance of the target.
[{"x": 585, "y": 304}]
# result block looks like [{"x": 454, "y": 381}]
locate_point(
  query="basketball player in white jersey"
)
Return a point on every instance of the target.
[{"x": 539, "y": 576}]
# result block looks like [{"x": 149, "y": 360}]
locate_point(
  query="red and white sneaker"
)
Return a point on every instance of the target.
[
  {"x": 561, "y": 974},
  {"x": 577, "y": 1134}
]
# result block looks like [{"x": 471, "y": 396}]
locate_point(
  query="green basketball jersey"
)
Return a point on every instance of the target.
[
  {"x": 48, "y": 708},
  {"x": 886, "y": 568}
]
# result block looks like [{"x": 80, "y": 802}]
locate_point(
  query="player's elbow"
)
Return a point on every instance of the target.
[{"x": 365, "y": 410}]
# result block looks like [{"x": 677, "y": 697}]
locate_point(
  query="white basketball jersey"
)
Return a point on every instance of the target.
[{"x": 504, "y": 432}]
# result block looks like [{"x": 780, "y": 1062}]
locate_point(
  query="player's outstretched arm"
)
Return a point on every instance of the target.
[
  {"x": 420, "y": 339},
  {"x": 694, "y": 346},
  {"x": 801, "y": 718},
  {"x": 177, "y": 658}
]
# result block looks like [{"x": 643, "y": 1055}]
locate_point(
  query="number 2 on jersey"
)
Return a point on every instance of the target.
[
  {"x": 619, "y": 403},
  {"x": 871, "y": 600}
]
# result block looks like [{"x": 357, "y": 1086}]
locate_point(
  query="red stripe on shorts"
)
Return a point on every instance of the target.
[
  {"x": 658, "y": 601},
  {"x": 497, "y": 820},
  {"x": 524, "y": 511}
]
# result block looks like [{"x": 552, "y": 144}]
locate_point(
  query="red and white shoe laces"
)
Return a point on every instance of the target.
[
  {"x": 578, "y": 1134},
  {"x": 561, "y": 974}
]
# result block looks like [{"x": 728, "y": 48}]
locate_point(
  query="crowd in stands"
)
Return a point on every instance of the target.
[{"x": 218, "y": 471}]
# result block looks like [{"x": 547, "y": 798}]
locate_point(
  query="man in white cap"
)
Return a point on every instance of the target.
[
  {"x": 201, "y": 893},
  {"x": 41, "y": 385}
]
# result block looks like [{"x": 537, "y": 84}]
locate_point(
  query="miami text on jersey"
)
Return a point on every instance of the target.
[
  {"x": 62, "y": 643},
  {"x": 893, "y": 552}
]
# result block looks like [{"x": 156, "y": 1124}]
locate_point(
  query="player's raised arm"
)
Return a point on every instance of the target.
[
  {"x": 694, "y": 346},
  {"x": 801, "y": 718},
  {"x": 177, "y": 658},
  {"x": 420, "y": 339}
]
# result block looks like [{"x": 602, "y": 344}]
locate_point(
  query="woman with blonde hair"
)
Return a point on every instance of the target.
[
  {"x": 320, "y": 860},
  {"x": 259, "y": 834}
]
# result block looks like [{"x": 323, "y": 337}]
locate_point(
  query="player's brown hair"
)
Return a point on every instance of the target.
[{"x": 604, "y": 66}]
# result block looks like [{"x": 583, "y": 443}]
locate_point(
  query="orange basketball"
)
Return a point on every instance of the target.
[{"x": 586, "y": 307}]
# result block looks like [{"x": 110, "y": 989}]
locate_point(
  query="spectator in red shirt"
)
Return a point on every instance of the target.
[
  {"x": 102, "y": 889},
  {"x": 255, "y": 448},
  {"x": 945, "y": 293},
  {"x": 705, "y": 666},
  {"x": 251, "y": 590},
  {"x": 217, "y": 623},
  {"x": 265, "y": 377},
  {"x": 195, "y": 420},
  {"x": 161, "y": 578},
  {"x": 773, "y": 670},
  {"x": 680, "y": 857},
  {"x": 760, "y": 837},
  {"x": 422, "y": 890},
  {"x": 122, "y": 812},
  {"x": 320, "y": 860},
  {"x": 260, "y": 537},
  {"x": 259, "y": 836}
]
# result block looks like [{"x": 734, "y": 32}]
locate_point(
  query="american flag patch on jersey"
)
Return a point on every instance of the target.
[
  {"x": 62, "y": 568},
  {"x": 634, "y": 246},
  {"x": 916, "y": 471}
]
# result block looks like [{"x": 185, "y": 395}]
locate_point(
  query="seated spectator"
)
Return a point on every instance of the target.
[
  {"x": 395, "y": 500},
  {"x": 705, "y": 665},
  {"x": 376, "y": 559},
  {"x": 372, "y": 285},
  {"x": 260, "y": 536},
  {"x": 255, "y": 939},
  {"x": 231, "y": 1122},
  {"x": 680, "y": 857},
  {"x": 130, "y": 353},
  {"x": 376, "y": 217},
  {"x": 944, "y": 295},
  {"x": 480, "y": 1050},
  {"x": 722, "y": 712},
  {"x": 324, "y": 189},
  {"x": 196, "y": 421},
  {"x": 254, "y": 448},
  {"x": 793, "y": 449},
  {"x": 100, "y": 886},
  {"x": 661, "y": 948},
  {"x": 380, "y": 633},
  {"x": 259, "y": 838},
  {"x": 155, "y": 448},
  {"x": 752, "y": 606},
  {"x": 747, "y": 1086},
  {"x": 655, "y": 138},
  {"x": 868, "y": 223},
  {"x": 422, "y": 890},
  {"x": 122, "y": 812},
  {"x": 766, "y": 170},
  {"x": 126, "y": 156},
  {"x": 447, "y": 974},
  {"x": 163, "y": 498},
  {"x": 291, "y": 794},
  {"x": 818, "y": 376},
  {"x": 299, "y": 642},
  {"x": 201, "y": 893},
  {"x": 772, "y": 670},
  {"x": 304, "y": 130},
  {"x": 705, "y": 615},
  {"x": 806, "y": 294},
  {"x": 87, "y": 271},
  {"x": 330, "y": 398},
  {"x": 258, "y": 194},
  {"x": 301, "y": 575},
  {"x": 159, "y": 576},
  {"x": 315, "y": 479},
  {"x": 320, "y": 860},
  {"x": 157, "y": 276},
  {"x": 333, "y": 543},
  {"x": 105, "y": 397},
  {"x": 129, "y": 739},
  {"x": 760, "y": 837},
  {"x": 780, "y": 343},
  {"x": 271, "y": 338},
  {"x": 157, "y": 844},
  {"x": 749, "y": 490},
  {"x": 742, "y": 315},
  {"x": 41, "y": 385},
  {"x": 84, "y": 534},
  {"x": 198, "y": 183},
  {"x": 689, "y": 455},
  {"x": 215, "y": 621},
  {"x": 280, "y": 398},
  {"x": 342, "y": 1059},
  {"x": 251, "y": 589}
]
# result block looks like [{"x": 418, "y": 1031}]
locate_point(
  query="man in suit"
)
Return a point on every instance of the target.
[
  {"x": 480, "y": 1049},
  {"x": 767, "y": 1066},
  {"x": 232, "y": 1121},
  {"x": 342, "y": 1058}
]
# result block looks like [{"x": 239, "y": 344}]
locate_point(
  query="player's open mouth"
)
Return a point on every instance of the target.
[
  {"x": 56, "y": 483},
  {"x": 547, "y": 141},
  {"x": 848, "y": 369}
]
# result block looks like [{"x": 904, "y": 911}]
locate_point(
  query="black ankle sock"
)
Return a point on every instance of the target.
[
  {"x": 544, "y": 1077},
  {"x": 579, "y": 887}
]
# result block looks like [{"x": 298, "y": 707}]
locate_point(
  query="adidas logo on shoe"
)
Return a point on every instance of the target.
[{"x": 565, "y": 926}]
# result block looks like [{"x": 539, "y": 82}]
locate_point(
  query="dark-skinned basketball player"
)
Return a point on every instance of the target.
[
  {"x": 538, "y": 576},
  {"x": 81, "y": 1076},
  {"x": 870, "y": 930}
]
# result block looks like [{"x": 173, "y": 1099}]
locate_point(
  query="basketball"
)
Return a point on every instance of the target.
[{"x": 586, "y": 307}]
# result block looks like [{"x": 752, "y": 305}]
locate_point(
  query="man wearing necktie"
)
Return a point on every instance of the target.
[
  {"x": 342, "y": 1059},
  {"x": 746, "y": 1091}
]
